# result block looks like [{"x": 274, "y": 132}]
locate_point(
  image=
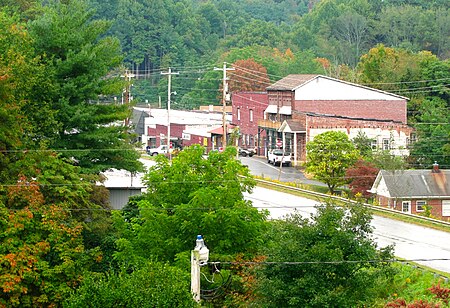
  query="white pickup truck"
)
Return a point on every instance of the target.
[
  {"x": 277, "y": 157},
  {"x": 162, "y": 149}
]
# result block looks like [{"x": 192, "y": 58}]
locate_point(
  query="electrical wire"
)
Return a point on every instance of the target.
[{"x": 326, "y": 262}]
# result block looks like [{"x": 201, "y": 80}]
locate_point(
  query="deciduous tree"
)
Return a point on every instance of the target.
[
  {"x": 188, "y": 196},
  {"x": 40, "y": 250},
  {"x": 362, "y": 175},
  {"x": 150, "y": 285},
  {"x": 329, "y": 155},
  {"x": 329, "y": 260}
]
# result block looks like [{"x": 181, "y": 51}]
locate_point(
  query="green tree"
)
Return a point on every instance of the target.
[
  {"x": 192, "y": 195},
  {"x": 21, "y": 75},
  {"x": 78, "y": 59},
  {"x": 433, "y": 135},
  {"x": 150, "y": 285},
  {"x": 257, "y": 32},
  {"x": 328, "y": 157},
  {"x": 363, "y": 144},
  {"x": 339, "y": 264},
  {"x": 384, "y": 160}
]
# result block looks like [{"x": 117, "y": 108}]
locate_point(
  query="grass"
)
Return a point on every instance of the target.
[{"x": 411, "y": 284}]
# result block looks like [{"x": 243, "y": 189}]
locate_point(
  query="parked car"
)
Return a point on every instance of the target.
[
  {"x": 162, "y": 149},
  {"x": 246, "y": 152},
  {"x": 277, "y": 157}
]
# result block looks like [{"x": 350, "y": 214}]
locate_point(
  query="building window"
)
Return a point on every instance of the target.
[
  {"x": 406, "y": 206},
  {"x": 251, "y": 115},
  {"x": 411, "y": 140},
  {"x": 420, "y": 205},
  {"x": 373, "y": 144},
  {"x": 445, "y": 207},
  {"x": 385, "y": 144},
  {"x": 239, "y": 114}
]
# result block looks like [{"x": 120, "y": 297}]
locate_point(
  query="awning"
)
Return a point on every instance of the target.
[
  {"x": 219, "y": 130},
  {"x": 271, "y": 109},
  {"x": 286, "y": 110}
]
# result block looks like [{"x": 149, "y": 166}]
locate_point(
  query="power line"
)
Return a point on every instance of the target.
[{"x": 324, "y": 262}]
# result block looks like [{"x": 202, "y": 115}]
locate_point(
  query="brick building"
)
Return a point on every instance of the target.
[
  {"x": 412, "y": 191},
  {"x": 248, "y": 109},
  {"x": 299, "y": 107}
]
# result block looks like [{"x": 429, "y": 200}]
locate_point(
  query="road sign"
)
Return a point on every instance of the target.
[{"x": 279, "y": 143}]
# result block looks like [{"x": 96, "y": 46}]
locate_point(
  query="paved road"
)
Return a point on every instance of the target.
[
  {"x": 258, "y": 166},
  {"x": 411, "y": 241}
]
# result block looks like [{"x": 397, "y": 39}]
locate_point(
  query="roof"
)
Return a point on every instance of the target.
[
  {"x": 291, "y": 82},
  {"x": 294, "y": 81},
  {"x": 183, "y": 117},
  {"x": 415, "y": 183},
  {"x": 291, "y": 126},
  {"x": 219, "y": 130},
  {"x": 138, "y": 121},
  {"x": 123, "y": 179}
]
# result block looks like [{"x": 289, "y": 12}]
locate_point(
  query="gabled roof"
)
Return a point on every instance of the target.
[
  {"x": 291, "y": 82},
  {"x": 291, "y": 126},
  {"x": 294, "y": 81},
  {"x": 415, "y": 183},
  {"x": 138, "y": 120}
]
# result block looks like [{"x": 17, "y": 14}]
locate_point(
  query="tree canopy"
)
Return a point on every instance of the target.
[
  {"x": 329, "y": 260},
  {"x": 78, "y": 59},
  {"x": 329, "y": 155},
  {"x": 188, "y": 196}
]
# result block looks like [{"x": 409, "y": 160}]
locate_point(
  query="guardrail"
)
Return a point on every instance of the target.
[{"x": 376, "y": 208}]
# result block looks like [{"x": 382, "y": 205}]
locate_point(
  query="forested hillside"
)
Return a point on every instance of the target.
[
  {"x": 401, "y": 46},
  {"x": 286, "y": 36}
]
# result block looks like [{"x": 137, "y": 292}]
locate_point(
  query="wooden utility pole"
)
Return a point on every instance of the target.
[
  {"x": 126, "y": 97},
  {"x": 169, "y": 93},
  {"x": 224, "y": 101}
]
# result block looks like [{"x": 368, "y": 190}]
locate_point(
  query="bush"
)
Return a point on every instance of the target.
[{"x": 152, "y": 285}]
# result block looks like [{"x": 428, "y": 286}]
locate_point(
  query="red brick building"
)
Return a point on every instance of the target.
[
  {"x": 299, "y": 107},
  {"x": 248, "y": 110},
  {"x": 412, "y": 191}
]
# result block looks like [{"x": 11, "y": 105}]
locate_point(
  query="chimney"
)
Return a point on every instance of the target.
[{"x": 435, "y": 168}]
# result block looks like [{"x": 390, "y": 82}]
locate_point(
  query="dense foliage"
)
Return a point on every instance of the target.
[
  {"x": 329, "y": 260},
  {"x": 188, "y": 196},
  {"x": 152, "y": 284},
  {"x": 329, "y": 156}
]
